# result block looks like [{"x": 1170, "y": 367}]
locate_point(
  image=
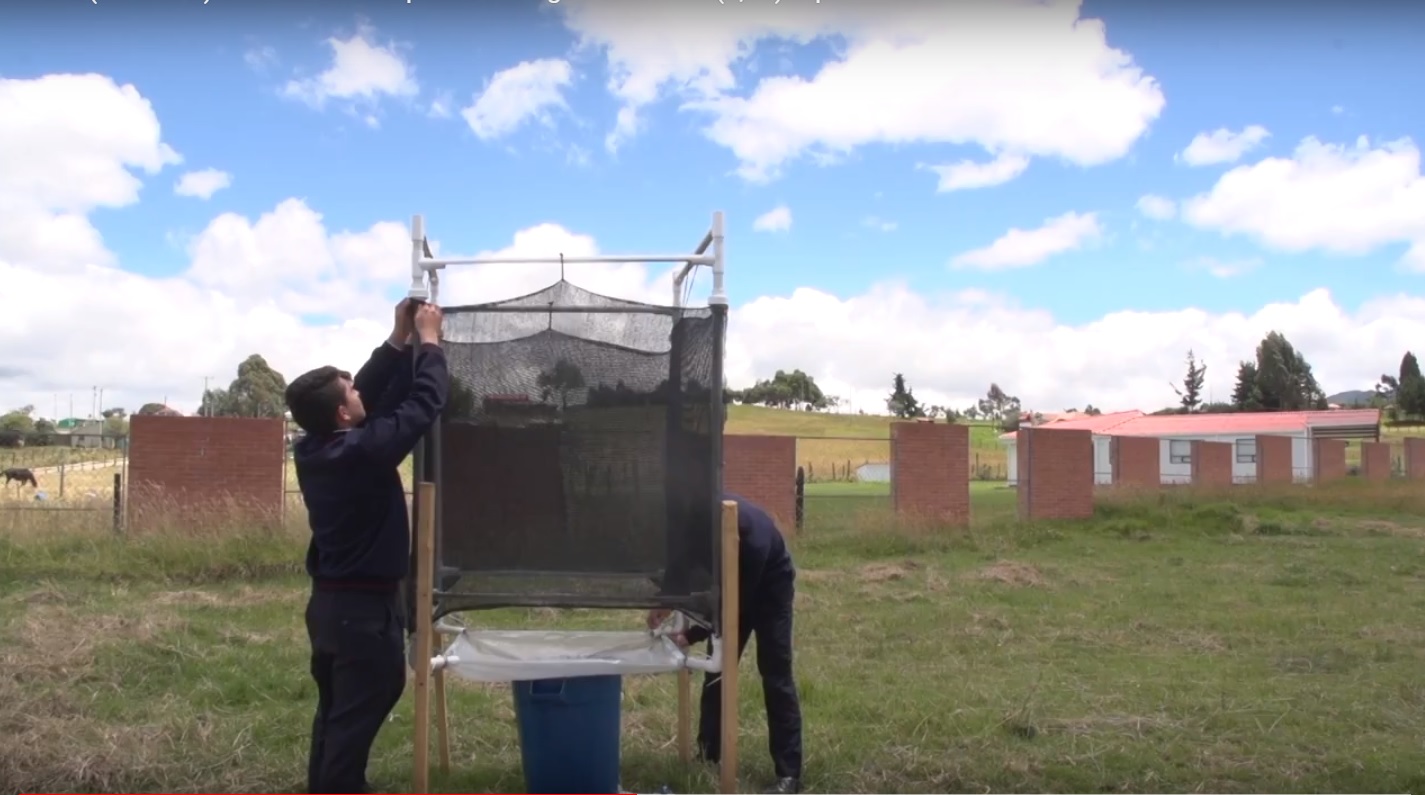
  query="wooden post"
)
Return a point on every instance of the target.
[
  {"x": 685, "y": 715},
  {"x": 731, "y": 632},
  {"x": 425, "y": 628}
]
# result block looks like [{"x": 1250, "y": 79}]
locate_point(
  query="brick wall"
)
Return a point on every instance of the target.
[
  {"x": 930, "y": 471},
  {"x": 1137, "y": 461},
  {"x": 1212, "y": 463},
  {"x": 1056, "y": 473},
  {"x": 764, "y": 470},
  {"x": 189, "y": 464},
  {"x": 1273, "y": 459},
  {"x": 1328, "y": 459},
  {"x": 1414, "y": 457},
  {"x": 1375, "y": 460}
]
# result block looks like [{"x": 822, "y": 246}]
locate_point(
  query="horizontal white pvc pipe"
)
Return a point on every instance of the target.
[{"x": 696, "y": 259}]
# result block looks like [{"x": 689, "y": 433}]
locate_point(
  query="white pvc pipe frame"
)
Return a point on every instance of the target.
[
  {"x": 425, "y": 283},
  {"x": 427, "y": 289}
]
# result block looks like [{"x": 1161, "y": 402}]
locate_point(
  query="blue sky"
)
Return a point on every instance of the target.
[{"x": 219, "y": 78}]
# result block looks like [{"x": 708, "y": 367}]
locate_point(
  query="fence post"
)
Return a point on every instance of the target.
[
  {"x": 801, "y": 497},
  {"x": 118, "y": 502}
]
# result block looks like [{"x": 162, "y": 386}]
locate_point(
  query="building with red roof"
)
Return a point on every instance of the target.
[{"x": 1178, "y": 431}]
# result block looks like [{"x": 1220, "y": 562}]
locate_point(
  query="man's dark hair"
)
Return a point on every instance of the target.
[{"x": 314, "y": 397}]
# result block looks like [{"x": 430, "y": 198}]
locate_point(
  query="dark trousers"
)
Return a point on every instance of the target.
[
  {"x": 360, "y": 669},
  {"x": 770, "y": 617}
]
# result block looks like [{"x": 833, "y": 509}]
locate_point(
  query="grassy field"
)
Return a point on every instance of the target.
[
  {"x": 45, "y": 457},
  {"x": 75, "y": 484},
  {"x": 1177, "y": 643},
  {"x": 823, "y": 446}
]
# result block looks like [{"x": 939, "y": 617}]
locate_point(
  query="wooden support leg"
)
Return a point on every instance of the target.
[
  {"x": 727, "y": 767},
  {"x": 685, "y": 715},
  {"x": 425, "y": 630},
  {"x": 442, "y": 722}
]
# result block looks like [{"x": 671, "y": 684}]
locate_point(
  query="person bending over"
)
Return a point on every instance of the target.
[
  {"x": 767, "y": 591},
  {"x": 358, "y": 431}
]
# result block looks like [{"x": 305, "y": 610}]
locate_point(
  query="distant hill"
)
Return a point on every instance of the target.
[{"x": 1353, "y": 397}]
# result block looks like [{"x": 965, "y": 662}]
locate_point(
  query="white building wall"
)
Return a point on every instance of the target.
[{"x": 1244, "y": 464}]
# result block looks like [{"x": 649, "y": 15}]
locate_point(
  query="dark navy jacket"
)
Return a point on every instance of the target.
[
  {"x": 356, "y": 505},
  {"x": 762, "y": 560}
]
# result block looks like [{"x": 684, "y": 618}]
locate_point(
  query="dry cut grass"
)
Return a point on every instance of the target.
[{"x": 1246, "y": 641}]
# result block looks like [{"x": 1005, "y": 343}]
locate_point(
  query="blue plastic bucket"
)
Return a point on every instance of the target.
[{"x": 570, "y": 733}]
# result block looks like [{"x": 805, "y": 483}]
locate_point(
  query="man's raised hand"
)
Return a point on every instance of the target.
[
  {"x": 428, "y": 317},
  {"x": 405, "y": 323}
]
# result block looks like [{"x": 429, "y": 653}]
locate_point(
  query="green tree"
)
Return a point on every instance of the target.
[
  {"x": 786, "y": 390},
  {"x": 1244, "y": 395},
  {"x": 560, "y": 380},
  {"x": 256, "y": 392},
  {"x": 150, "y": 409},
  {"x": 1406, "y": 391},
  {"x": 1285, "y": 381},
  {"x": 1191, "y": 394},
  {"x": 997, "y": 405},
  {"x": 901, "y": 402},
  {"x": 20, "y": 420}
]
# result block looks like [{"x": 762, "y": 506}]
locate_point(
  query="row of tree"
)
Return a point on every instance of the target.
[{"x": 1277, "y": 378}]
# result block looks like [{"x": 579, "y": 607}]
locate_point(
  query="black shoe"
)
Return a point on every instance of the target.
[{"x": 787, "y": 785}]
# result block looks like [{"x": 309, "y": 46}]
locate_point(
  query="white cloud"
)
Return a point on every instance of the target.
[
  {"x": 970, "y": 174},
  {"x": 361, "y": 71},
  {"x": 143, "y": 338},
  {"x": 879, "y": 224},
  {"x": 260, "y": 59},
  {"x": 440, "y": 107},
  {"x": 1225, "y": 269},
  {"x": 202, "y": 184},
  {"x": 69, "y": 144},
  {"x": 1126, "y": 359},
  {"x": 777, "y": 219},
  {"x": 1159, "y": 208},
  {"x": 1329, "y": 197},
  {"x": 1019, "y": 248},
  {"x": 1022, "y": 76},
  {"x": 528, "y": 90},
  {"x": 1223, "y": 146}
]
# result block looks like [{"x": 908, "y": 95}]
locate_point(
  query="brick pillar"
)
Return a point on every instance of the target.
[
  {"x": 187, "y": 465},
  {"x": 1137, "y": 461},
  {"x": 1414, "y": 457},
  {"x": 1212, "y": 463},
  {"x": 764, "y": 470},
  {"x": 930, "y": 471},
  {"x": 1375, "y": 460},
  {"x": 1328, "y": 459},
  {"x": 1274, "y": 459},
  {"x": 1056, "y": 473}
]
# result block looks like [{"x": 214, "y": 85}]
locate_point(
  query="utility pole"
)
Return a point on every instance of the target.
[{"x": 205, "y": 408}]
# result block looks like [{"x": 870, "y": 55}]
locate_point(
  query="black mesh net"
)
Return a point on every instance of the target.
[{"x": 575, "y": 462}]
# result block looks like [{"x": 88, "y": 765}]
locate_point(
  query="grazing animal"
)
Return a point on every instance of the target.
[{"x": 21, "y": 474}]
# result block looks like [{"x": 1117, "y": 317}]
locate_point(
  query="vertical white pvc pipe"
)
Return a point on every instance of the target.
[
  {"x": 418, "y": 276},
  {"x": 719, "y": 294}
]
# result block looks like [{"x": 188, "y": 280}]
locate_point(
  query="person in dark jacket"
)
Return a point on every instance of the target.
[
  {"x": 767, "y": 591},
  {"x": 358, "y": 431}
]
